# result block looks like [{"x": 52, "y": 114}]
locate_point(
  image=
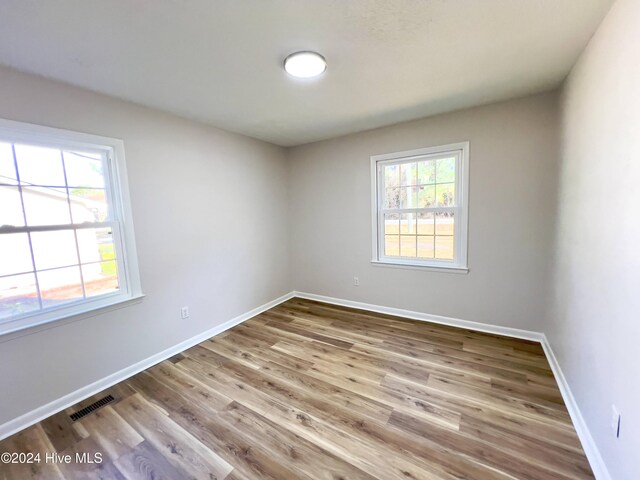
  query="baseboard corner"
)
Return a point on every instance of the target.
[{"x": 584, "y": 434}]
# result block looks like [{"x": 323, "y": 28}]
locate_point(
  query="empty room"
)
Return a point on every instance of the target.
[{"x": 320, "y": 239}]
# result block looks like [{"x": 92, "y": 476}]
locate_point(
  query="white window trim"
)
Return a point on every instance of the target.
[
  {"x": 459, "y": 264},
  {"x": 127, "y": 260}
]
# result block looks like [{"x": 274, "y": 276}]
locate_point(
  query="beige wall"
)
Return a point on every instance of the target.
[
  {"x": 594, "y": 325},
  {"x": 513, "y": 171},
  {"x": 209, "y": 210}
]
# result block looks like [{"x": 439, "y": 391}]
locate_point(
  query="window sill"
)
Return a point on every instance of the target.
[
  {"x": 28, "y": 326},
  {"x": 424, "y": 268}
]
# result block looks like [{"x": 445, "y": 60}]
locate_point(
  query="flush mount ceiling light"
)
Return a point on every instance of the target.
[{"x": 305, "y": 64}]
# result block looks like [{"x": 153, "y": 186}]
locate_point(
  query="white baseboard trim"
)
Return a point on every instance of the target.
[
  {"x": 426, "y": 317},
  {"x": 588, "y": 443},
  {"x": 51, "y": 408}
]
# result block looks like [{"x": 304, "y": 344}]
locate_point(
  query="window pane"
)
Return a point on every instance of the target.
[
  {"x": 60, "y": 286},
  {"x": 392, "y": 176},
  {"x": 54, "y": 249},
  {"x": 444, "y": 248},
  {"x": 425, "y": 223},
  {"x": 39, "y": 165},
  {"x": 408, "y": 173},
  {"x": 18, "y": 295},
  {"x": 393, "y": 197},
  {"x": 408, "y": 246},
  {"x": 446, "y": 170},
  {"x": 426, "y": 196},
  {"x": 100, "y": 278},
  {"x": 409, "y": 197},
  {"x": 88, "y": 205},
  {"x": 426, "y": 172},
  {"x": 391, "y": 223},
  {"x": 445, "y": 194},
  {"x": 95, "y": 244},
  {"x": 445, "y": 223},
  {"x": 391, "y": 245},
  {"x": 7, "y": 168},
  {"x": 408, "y": 223},
  {"x": 15, "y": 254},
  {"x": 46, "y": 206},
  {"x": 84, "y": 169},
  {"x": 425, "y": 246},
  {"x": 423, "y": 194},
  {"x": 10, "y": 207}
]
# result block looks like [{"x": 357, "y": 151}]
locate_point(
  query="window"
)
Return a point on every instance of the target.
[
  {"x": 65, "y": 247},
  {"x": 420, "y": 207}
]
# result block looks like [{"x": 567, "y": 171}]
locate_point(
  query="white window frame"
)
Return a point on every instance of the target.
[
  {"x": 116, "y": 186},
  {"x": 461, "y": 209}
]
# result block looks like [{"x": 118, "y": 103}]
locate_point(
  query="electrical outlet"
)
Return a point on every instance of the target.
[
  {"x": 184, "y": 312},
  {"x": 615, "y": 421},
  {"x": 356, "y": 281}
]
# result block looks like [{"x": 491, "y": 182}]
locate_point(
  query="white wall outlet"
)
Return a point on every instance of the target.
[
  {"x": 184, "y": 312},
  {"x": 615, "y": 421},
  {"x": 356, "y": 281}
]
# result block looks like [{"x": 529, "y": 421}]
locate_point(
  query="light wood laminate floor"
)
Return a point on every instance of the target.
[{"x": 313, "y": 391}]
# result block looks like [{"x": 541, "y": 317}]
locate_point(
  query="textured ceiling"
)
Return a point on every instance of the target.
[{"x": 220, "y": 61}]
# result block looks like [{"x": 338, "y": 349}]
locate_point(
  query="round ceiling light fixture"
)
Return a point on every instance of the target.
[{"x": 305, "y": 64}]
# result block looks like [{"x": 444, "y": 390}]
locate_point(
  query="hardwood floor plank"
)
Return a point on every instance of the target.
[
  {"x": 305, "y": 409},
  {"x": 189, "y": 387},
  {"x": 564, "y": 460},
  {"x": 208, "y": 427},
  {"x": 290, "y": 449},
  {"x": 325, "y": 415},
  {"x": 364, "y": 405},
  {"x": 326, "y": 328},
  {"x": 378, "y": 366},
  {"x": 308, "y": 390},
  {"x": 310, "y": 334},
  {"x": 145, "y": 462},
  {"x": 528, "y": 391},
  {"x": 554, "y": 433},
  {"x": 482, "y": 452},
  {"x": 61, "y": 432},
  {"x": 231, "y": 352},
  {"x": 403, "y": 325},
  {"x": 111, "y": 433},
  {"x": 32, "y": 440},
  {"x": 446, "y": 364},
  {"x": 323, "y": 357},
  {"x": 538, "y": 408},
  {"x": 515, "y": 364},
  {"x": 180, "y": 448},
  {"x": 89, "y": 468},
  {"x": 269, "y": 355}
]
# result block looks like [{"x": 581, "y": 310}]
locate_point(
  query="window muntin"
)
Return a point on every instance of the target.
[
  {"x": 63, "y": 248},
  {"x": 420, "y": 207}
]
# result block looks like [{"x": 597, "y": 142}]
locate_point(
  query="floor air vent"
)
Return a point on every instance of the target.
[{"x": 92, "y": 408}]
